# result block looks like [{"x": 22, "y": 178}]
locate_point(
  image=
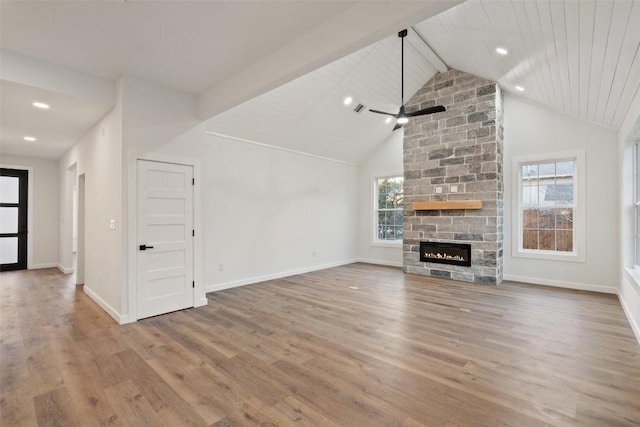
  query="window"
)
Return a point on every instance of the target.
[
  {"x": 388, "y": 209},
  {"x": 636, "y": 170},
  {"x": 549, "y": 218}
]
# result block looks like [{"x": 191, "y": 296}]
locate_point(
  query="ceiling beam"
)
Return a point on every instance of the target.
[
  {"x": 358, "y": 26},
  {"x": 32, "y": 72},
  {"x": 432, "y": 57}
]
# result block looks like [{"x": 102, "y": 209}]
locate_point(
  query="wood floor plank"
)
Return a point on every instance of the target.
[
  {"x": 310, "y": 350},
  {"x": 55, "y": 408}
]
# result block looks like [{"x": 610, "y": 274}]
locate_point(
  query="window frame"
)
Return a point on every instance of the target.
[
  {"x": 579, "y": 207},
  {"x": 375, "y": 241},
  {"x": 636, "y": 204}
]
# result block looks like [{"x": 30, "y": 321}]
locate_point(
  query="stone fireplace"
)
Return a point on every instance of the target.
[{"x": 455, "y": 160}]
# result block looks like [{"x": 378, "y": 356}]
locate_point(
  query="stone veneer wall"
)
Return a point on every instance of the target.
[{"x": 462, "y": 147}]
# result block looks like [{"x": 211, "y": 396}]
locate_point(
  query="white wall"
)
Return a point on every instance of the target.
[
  {"x": 532, "y": 129},
  {"x": 629, "y": 285},
  {"x": 386, "y": 160},
  {"x": 152, "y": 115},
  {"x": 98, "y": 155},
  {"x": 270, "y": 213},
  {"x": 44, "y": 208},
  {"x": 146, "y": 115}
]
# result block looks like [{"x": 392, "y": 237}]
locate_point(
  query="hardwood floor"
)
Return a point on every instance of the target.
[{"x": 358, "y": 345}]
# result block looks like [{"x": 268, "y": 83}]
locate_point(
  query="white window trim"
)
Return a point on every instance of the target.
[
  {"x": 579, "y": 218},
  {"x": 636, "y": 209},
  {"x": 374, "y": 213}
]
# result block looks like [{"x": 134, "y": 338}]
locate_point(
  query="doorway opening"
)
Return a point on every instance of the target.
[{"x": 79, "y": 213}]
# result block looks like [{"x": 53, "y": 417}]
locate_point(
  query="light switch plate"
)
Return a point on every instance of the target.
[{"x": 454, "y": 188}]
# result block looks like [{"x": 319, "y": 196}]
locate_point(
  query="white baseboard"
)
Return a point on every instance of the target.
[
  {"x": 632, "y": 321},
  {"x": 106, "y": 307},
  {"x": 561, "y": 284},
  {"x": 258, "y": 279},
  {"x": 201, "y": 302},
  {"x": 65, "y": 270},
  {"x": 43, "y": 265},
  {"x": 380, "y": 262}
]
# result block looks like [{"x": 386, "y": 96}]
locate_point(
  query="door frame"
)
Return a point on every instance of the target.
[
  {"x": 30, "y": 183},
  {"x": 199, "y": 290}
]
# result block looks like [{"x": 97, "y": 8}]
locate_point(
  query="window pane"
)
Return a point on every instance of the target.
[
  {"x": 564, "y": 240},
  {"x": 8, "y": 250},
  {"x": 530, "y": 239},
  {"x": 530, "y": 218},
  {"x": 637, "y": 171},
  {"x": 547, "y": 240},
  {"x": 564, "y": 219},
  {"x": 547, "y": 170},
  {"x": 564, "y": 168},
  {"x": 8, "y": 220},
  {"x": 530, "y": 194},
  {"x": 398, "y": 217},
  {"x": 637, "y": 209},
  {"x": 546, "y": 218},
  {"x": 529, "y": 172},
  {"x": 548, "y": 206},
  {"x": 9, "y": 186},
  {"x": 390, "y": 210}
]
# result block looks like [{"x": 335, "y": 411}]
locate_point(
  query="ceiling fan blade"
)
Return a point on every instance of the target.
[
  {"x": 382, "y": 112},
  {"x": 430, "y": 110},
  {"x": 396, "y": 127}
]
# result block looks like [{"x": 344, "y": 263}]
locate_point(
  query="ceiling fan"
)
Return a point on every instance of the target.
[{"x": 402, "y": 117}]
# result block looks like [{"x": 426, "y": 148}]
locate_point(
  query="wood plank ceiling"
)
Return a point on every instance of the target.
[
  {"x": 577, "y": 57},
  {"x": 308, "y": 113}
]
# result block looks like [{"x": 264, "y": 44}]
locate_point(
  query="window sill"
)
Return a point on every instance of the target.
[
  {"x": 389, "y": 244},
  {"x": 634, "y": 276},
  {"x": 549, "y": 255}
]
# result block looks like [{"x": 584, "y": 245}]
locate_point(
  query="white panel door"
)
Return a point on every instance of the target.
[{"x": 165, "y": 241}]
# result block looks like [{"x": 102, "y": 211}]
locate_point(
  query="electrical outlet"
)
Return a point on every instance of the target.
[
  {"x": 454, "y": 188},
  {"x": 438, "y": 190},
  {"x": 112, "y": 224}
]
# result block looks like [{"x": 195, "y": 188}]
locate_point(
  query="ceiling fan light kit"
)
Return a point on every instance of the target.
[{"x": 402, "y": 117}]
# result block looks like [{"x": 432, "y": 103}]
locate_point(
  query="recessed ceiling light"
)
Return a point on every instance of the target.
[
  {"x": 348, "y": 100},
  {"x": 29, "y": 138},
  {"x": 520, "y": 88},
  {"x": 387, "y": 120},
  {"x": 501, "y": 51},
  {"x": 41, "y": 105}
]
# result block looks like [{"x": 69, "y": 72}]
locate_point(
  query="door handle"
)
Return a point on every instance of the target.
[{"x": 145, "y": 247}]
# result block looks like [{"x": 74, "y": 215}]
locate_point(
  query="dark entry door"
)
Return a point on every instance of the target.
[{"x": 13, "y": 219}]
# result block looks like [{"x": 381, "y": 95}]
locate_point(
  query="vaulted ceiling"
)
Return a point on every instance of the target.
[
  {"x": 308, "y": 114},
  {"x": 578, "y": 57},
  {"x": 581, "y": 58}
]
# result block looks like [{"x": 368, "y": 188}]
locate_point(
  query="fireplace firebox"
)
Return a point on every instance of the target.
[{"x": 446, "y": 253}]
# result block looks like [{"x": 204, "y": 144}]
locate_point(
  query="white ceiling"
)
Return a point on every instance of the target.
[
  {"x": 579, "y": 57},
  {"x": 187, "y": 45},
  {"x": 224, "y": 52},
  {"x": 60, "y": 124}
]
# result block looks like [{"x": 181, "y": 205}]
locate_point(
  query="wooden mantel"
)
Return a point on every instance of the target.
[{"x": 448, "y": 204}]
